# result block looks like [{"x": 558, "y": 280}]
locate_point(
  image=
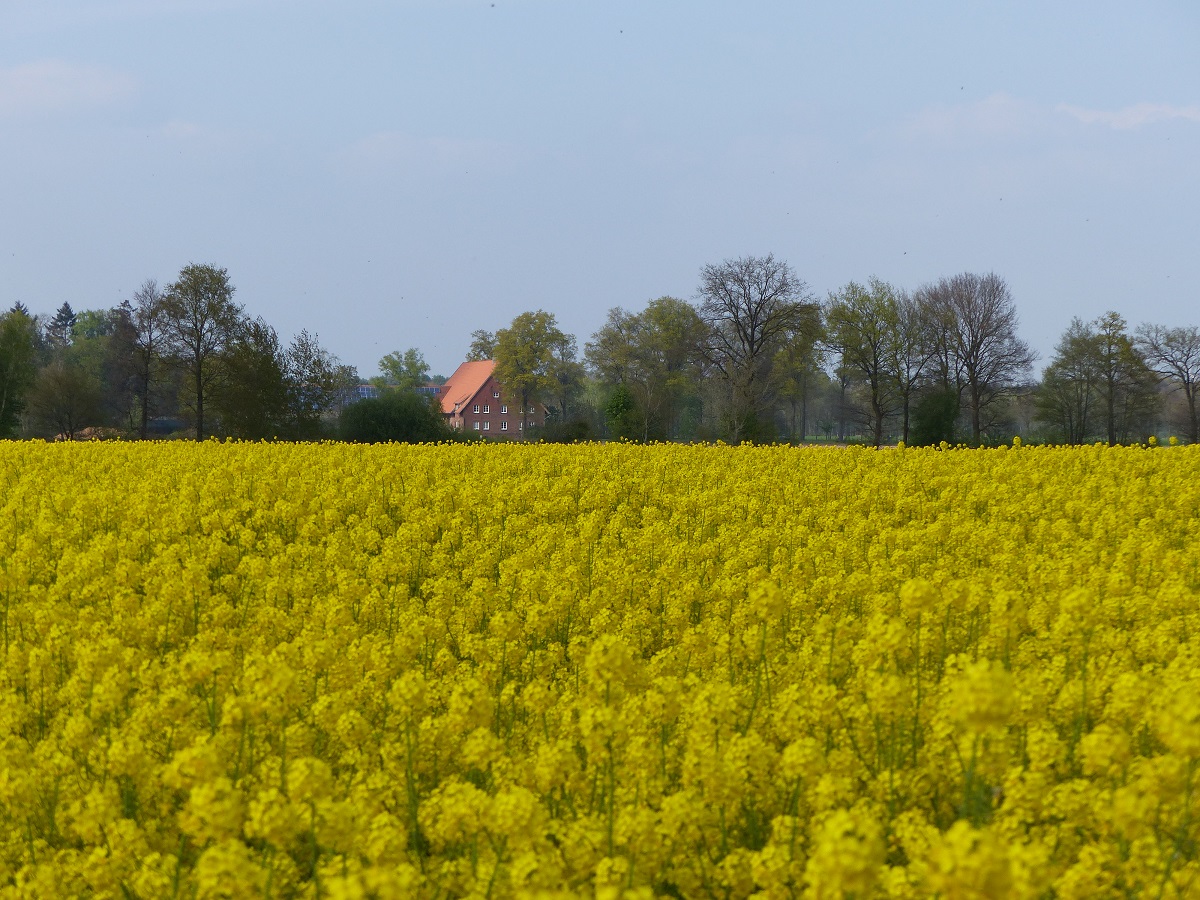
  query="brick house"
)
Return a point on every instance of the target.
[{"x": 473, "y": 400}]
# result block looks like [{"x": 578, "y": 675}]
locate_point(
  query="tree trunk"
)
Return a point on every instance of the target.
[
  {"x": 804, "y": 408},
  {"x": 976, "y": 422},
  {"x": 842, "y": 414},
  {"x": 199, "y": 403},
  {"x": 1112, "y": 414},
  {"x": 1193, "y": 424},
  {"x": 144, "y": 429}
]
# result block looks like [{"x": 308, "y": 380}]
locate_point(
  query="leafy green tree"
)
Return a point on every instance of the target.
[
  {"x": 405, "y": 370},
  {"x": 251, "y": 398},
  {"x": 316, "y": 382},
  {"x": 568, "y": 374},
  {"x": 201, "y": 322},
  {"x": 93, "y": 324},
  {"x": 621, "y": 415},
  {"x": 798, "y": 366},
  {"x": 1125, "y": 382},
  {"x": 526, "y": 364},
  {"x": 401, "y": 416},
  {"x": 101, "y": 347},
  {"x": 18, "y": 365},
  {"x": 1066, "y": 397},
  {"x": 483, "y": 346},
  {"x": 64, "y": 399},
  {"x": 861, "y": 323},
  {"x": 612, "y": 355},
  {"x": 654, "y": 355},
  {"x": 935, "y": 415}
]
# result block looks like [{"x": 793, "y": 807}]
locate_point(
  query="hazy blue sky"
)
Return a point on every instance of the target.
[{"x": 399, "y": 174}]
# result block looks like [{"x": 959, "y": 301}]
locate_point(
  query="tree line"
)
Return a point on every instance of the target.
[
  {"x": 754, "y": 356},
  {"x": 181, "y": 360}
]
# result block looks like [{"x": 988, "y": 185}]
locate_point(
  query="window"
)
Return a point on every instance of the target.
[
  {"x": 495, "y": 395},
  {"x": 476, "y": 408},
  {"x": 486, "y": 408},
  {"x": 476, "y": 426},
  {"x": 504, "y": 425},
  {"x": 487, "y": 426},
  {"x": 504, "y": 409}
]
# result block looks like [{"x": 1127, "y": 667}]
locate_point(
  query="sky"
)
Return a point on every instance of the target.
[{"x": 398, "y": 174}]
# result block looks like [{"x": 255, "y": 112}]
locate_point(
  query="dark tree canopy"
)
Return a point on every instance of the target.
[
  {"x": 18, "y": 365},
  {"x": 61, "y": 328},
  {"x": 251, "y": 400},
  {"x": 201, "y": 321},
  {"x": 401, "y": 416},
  {"x": 64, "y": 400}
]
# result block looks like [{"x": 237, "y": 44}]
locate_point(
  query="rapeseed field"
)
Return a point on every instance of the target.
[{"x": 238, "y": 670}]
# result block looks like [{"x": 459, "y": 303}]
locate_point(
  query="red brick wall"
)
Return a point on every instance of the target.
[{"x": 491, "y": 423}]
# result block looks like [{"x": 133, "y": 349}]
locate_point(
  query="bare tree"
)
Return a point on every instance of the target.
[
  {"x": 979, "y": 322},
  {"x": 201, "y": 321},
  {"x": 1174, "y": 354},
  {"x": 147, "y": 325},
  {"x": 749, "y": 307},
  {"x": 914, "y": 350}
]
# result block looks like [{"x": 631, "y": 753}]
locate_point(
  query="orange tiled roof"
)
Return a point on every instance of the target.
[{"x": 465, "y": 384}]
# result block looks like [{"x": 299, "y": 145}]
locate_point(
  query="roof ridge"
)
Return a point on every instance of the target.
[{"x": 467, "y": 381}]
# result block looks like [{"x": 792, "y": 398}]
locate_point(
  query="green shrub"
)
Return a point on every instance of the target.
[{"x": 401, "y": 416}]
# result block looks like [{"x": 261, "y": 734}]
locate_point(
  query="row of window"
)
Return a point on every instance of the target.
[
  {"x": 503, "y": 409},
  {"x": 487, "y": 426}
]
